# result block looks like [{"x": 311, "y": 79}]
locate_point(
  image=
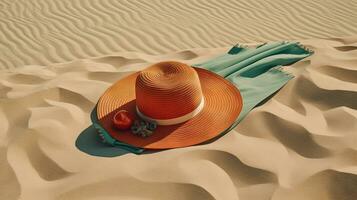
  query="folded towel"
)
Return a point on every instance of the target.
[{"x": 257, "y": 72}]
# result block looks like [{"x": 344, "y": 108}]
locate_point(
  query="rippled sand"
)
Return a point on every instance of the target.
[
  {"x": 52, "y": 31},
  {"x": 301, "y": 144}
]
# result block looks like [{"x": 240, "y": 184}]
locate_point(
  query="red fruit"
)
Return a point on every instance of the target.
[{"x": 123, "y": 120}]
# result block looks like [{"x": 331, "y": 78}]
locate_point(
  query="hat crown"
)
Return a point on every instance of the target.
[{"x": 168, "y": 90}]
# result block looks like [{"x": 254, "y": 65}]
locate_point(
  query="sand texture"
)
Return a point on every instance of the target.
[
  {"x": 52, "y": 31},
  {"x": 301, "y": 144}
]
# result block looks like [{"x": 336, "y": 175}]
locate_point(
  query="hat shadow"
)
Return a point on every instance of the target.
[{"x": 89, "y": 142}]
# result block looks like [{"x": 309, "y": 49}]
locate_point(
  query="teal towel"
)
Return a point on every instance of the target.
[{"x": 256, "y": 72}]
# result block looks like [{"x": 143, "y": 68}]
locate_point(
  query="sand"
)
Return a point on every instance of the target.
[
  {"x": 51, "y": 31},
  {"x": 301, "y": 144}
]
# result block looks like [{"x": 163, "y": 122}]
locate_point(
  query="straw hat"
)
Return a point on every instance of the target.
[{"x": 190, "y": 105}]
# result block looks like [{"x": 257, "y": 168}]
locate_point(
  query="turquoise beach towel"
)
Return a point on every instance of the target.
[{"x": 256, "y": 72}]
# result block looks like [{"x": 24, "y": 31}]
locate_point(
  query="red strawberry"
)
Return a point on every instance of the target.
[{"x": 123, "y": 120}]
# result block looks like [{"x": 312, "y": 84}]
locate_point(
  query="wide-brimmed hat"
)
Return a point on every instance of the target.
[{"x": 190, "y": 105}]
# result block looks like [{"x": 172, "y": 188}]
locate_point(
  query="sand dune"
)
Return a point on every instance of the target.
[
  {"x": 301, "y": 144},
  {"x": 49, "y": 31}
]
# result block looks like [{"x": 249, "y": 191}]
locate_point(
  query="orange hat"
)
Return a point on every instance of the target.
[{"x": 190, "y": 105}]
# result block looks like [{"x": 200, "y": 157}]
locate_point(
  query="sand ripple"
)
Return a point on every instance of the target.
[
  {"x": 301, "y": 144},
  {"x": 49, "y": 31}
]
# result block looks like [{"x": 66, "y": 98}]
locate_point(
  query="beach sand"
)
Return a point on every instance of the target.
[
  {"x": 50, "y": 31},
  {"x": 301, "y": 144}
]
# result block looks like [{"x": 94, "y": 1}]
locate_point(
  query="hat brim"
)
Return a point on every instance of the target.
[{"x": 223, "y": 103}]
